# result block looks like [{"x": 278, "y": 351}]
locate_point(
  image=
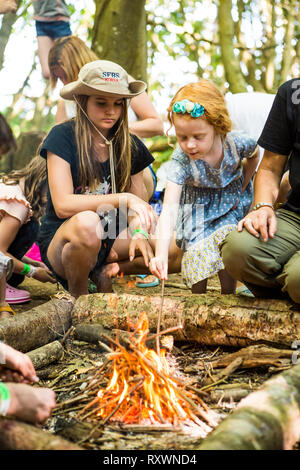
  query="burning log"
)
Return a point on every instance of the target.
[
  {"x": 267, "y": 419},
  {"x": 16, "y": 435},
  {"x": 38, "y": 326},
  {"x": 206, "y": 319},
  {"x": 47, "y": 354}
]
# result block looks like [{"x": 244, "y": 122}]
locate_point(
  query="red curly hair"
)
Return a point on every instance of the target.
[{"x": 211, "y": 98}]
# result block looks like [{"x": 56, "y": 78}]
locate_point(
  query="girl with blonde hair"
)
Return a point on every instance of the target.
[
  {"x": 66, "y": 57},
  {"x": 95, "y": 178},
  {"x": 209, "y": 185}
]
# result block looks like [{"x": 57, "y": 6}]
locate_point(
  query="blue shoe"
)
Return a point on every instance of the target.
[
  {"x": 151, "y": 283},
  {"x": 243, "y": 290}
]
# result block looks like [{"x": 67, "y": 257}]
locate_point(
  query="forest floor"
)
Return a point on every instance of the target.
[{"x": 71, "y": 374}]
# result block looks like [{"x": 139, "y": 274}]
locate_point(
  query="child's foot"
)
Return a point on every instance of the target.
[{"x": 103, "y": 278}]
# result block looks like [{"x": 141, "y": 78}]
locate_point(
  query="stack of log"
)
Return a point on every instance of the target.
[{"x": 258, "y": 326}]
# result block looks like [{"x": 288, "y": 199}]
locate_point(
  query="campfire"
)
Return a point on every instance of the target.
[{"x": 141, "y": 389}]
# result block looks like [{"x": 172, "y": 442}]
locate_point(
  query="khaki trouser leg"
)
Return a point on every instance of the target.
[{"x": 268, "y": 269}]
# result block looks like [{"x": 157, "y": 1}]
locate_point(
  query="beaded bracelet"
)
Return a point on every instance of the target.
[
  {"x": 4, "y": 399},
  {"x": 140, "y": 230},
  {"x": 262, "y": 204}
]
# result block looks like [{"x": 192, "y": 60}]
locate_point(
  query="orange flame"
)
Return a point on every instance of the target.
[{"x": 140, "y": 388}]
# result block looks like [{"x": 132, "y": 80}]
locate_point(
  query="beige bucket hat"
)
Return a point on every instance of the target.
[{"x": 103, "y": 77}]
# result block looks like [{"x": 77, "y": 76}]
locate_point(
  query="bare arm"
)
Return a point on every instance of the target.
[
  {"x": 249, "y": 167},
  {"x": 149, "y": 123},
  {"x": 165, "y": 229},
  {"x": 266, "y": 188},
  {"x": 61, "y": 114}
]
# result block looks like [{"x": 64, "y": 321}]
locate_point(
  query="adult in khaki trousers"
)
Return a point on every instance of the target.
[{"x": 264, "y": 251}]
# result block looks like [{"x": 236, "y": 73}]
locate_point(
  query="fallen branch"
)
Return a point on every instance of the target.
[
  {"x": 38, "y": 326},
  {"x": 16, "y": 435},
  {"x": 208, "y": 319},
  {"x": 267, "y": 419},
  {"x": 47, "y": 354}
]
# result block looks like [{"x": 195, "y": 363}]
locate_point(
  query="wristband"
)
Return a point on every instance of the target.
[
  {"x": 140, "y": 230},
  {"x": 4, "y": 399},
  {"x": 32, "y": 271},
  {"x": 26, "y": 269},
  {"x": 261, "y": 204}
]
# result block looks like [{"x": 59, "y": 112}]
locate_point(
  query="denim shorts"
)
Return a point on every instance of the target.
[{"x": 53, "y": 29}]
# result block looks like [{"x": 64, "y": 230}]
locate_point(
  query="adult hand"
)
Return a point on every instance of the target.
[
  {"x": 15, "y": 360},
  {"x": 142, "y": 244},
  {"x": 261, "y": 222},
  {"x": 44, "y": 275},
  {"x": 30, "y": 404},
  {"x": 159, "y": 267}
]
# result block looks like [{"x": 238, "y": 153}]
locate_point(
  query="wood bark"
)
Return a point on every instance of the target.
[
  {"x": 119, "y": 34},
  {"x": 267, "y": 419},
  {"x": 16, "y": 435},
  {"x": 45, "y": 355},
  {"x": 232, "y": 69},
  {"x": 253, "y": 356},
  {"x": 38, "y": 326},
  {"x": 209, "y": 319}
]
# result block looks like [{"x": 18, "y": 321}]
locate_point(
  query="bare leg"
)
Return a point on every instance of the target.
[
  {"x": 199, "y": 287},
  {"x": 228, "y": 284},
  {"x": 4, "y": 313},
  {"x": 74, "y": 248},
  {"x": 44, "y": 45},
  {"x": 118, "y": 260}
]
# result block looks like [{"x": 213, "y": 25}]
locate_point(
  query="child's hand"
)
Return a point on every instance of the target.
[
  {"x": 141, "y": 243},
  {"x": 44, "y": 275},
  {"x": 145, "y": 212},
  {"x": 30, "y": 404},
  {"x": 159, "y": 267},
  {"x": 17, "y": 361}
]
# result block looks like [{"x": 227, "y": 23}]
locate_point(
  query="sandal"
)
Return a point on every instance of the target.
[
  {"x": 243, "y": 290},
  {"x": 147, "y": 280},
  {"x": 6, "y": 308}
]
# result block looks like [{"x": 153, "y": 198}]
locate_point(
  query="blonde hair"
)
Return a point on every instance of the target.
[
  {"x": 70, "y": 53},
  {"x": 211, "y": 98},
  {"x": 88, "y": 175},
  {"x": 35, "y": 181}
]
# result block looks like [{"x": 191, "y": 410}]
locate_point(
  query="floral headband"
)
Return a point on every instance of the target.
[{"x": 186, "y": 106}]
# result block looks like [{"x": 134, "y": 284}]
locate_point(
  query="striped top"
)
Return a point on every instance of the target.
[{"x": 50, "y": 10}]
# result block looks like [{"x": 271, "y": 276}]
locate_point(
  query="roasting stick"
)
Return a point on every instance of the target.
[{"x": 159, "y": 317}]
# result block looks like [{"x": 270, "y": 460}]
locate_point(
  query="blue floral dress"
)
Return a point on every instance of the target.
[{"x": 211, "y": 204}]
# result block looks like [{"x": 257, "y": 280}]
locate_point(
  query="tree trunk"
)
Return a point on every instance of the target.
[
  {"x": 15, "y": 435},
  {"x": 231, "y": 65},
  {"x": 267, "y": 419},
  {"x": 34, "y": 328},
  {"x": 209, "y": 319},
  {"x": 119, "y": 34}
]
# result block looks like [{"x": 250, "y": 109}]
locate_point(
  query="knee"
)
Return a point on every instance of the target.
[
  {"x": 235, "y": 251},
  {"x": 292, "y": 281},
  {"x": 87, "y": 228}
]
